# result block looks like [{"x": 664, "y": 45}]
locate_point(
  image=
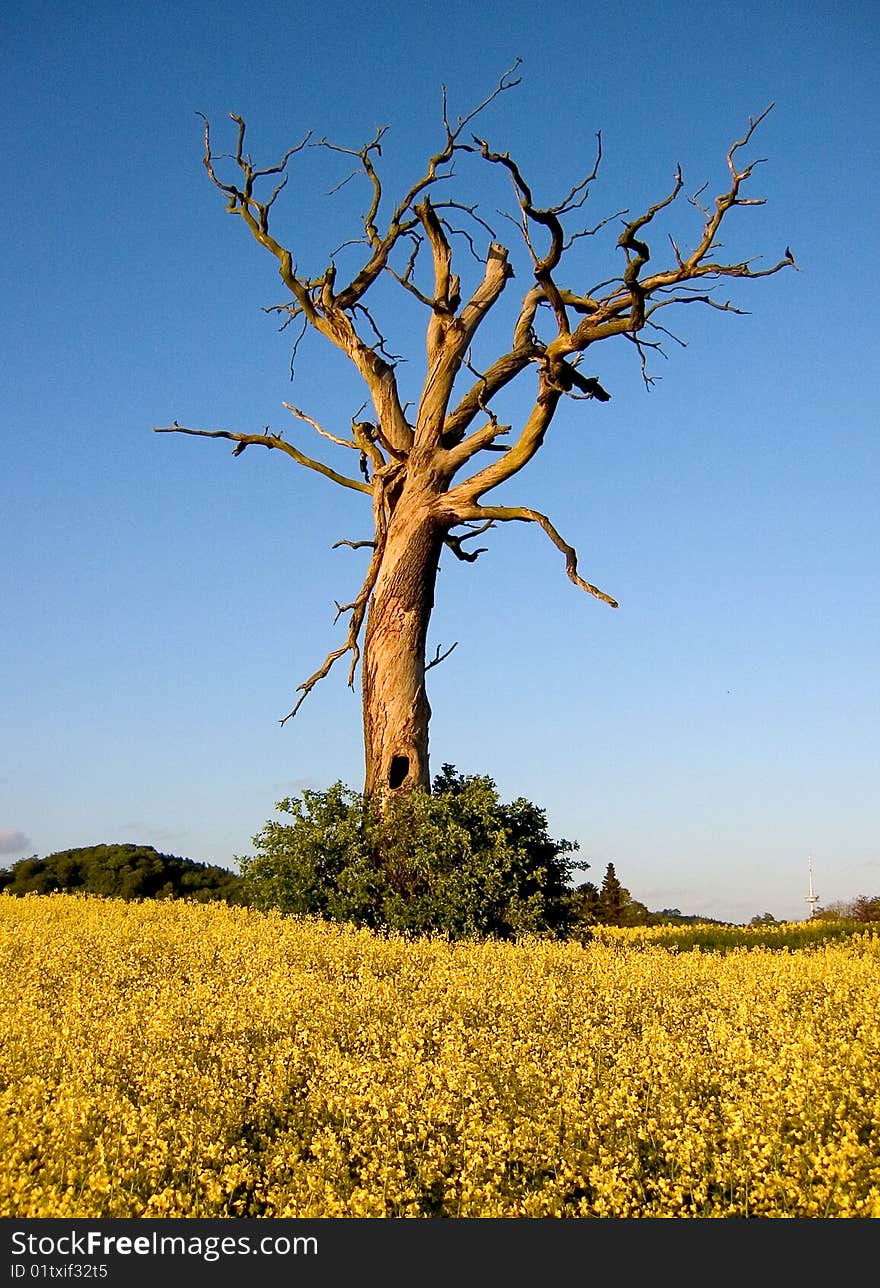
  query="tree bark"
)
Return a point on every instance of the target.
[{"x": 395, "y": 702}]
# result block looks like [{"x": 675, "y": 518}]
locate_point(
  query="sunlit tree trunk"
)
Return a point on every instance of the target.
[{"x": 395, "y": 703}]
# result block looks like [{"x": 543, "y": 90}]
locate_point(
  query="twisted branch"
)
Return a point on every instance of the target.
[{"x": 522, "y": 514}]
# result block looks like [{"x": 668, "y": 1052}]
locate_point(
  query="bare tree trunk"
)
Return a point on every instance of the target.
[{"x": 396, "y": 709}]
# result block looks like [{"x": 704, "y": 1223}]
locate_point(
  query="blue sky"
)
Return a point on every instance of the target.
[{"x": 161, "y": 600}]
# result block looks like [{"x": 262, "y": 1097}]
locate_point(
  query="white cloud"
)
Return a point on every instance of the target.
[{"x": 12, "y": 841}]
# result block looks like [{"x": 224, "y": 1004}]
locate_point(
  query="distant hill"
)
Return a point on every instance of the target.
[
  {"x": 121, "y": 871},
  {"x": 675, "y": 917}
]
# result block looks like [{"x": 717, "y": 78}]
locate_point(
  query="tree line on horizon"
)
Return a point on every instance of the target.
[
  {"x": 456, "y": 861},
  {"x": 132, "y": 871}
]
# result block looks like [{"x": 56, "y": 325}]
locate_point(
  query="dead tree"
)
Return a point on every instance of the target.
[{"x": 428, "y": 471}]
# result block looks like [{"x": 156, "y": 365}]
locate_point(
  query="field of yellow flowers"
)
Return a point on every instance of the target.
[{"x": 175, "y": 1059}]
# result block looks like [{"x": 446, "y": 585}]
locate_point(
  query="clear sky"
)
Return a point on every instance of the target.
[{"x": 162, "y": 600}]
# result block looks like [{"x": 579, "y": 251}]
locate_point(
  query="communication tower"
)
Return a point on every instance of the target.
[{"x": 812, "y": 898}]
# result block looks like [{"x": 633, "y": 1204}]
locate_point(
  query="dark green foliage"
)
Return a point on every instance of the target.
[
  {"x": 457, "y": 862},
  {"x": 613, "y": 899},
  {"x": 613, "y": 905},
  {"x": 583, "y": 904},
  {"x": 589, "y": 909},
  {"x": 121, "y": 872}
]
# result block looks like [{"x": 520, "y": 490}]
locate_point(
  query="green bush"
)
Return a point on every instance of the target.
[{"x": 456, "y": 861}]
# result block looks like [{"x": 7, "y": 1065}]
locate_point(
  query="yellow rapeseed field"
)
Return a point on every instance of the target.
[{"x": 176, "y": 1059}]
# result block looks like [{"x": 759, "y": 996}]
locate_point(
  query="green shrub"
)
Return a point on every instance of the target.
[{"x": 456, "y": 861}]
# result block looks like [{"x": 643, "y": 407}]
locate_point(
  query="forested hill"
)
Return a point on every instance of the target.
[{"x": 122, "y": 871}]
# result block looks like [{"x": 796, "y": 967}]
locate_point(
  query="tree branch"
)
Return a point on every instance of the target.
[
  {"x": 270, "y": 441},
  {"x": 449, "y": 336},
  {"x": 321, "y": 307},
  {"x": 623, "y": 310},
  {"x": 398, "y": 223},
  {"x": 440, "y": 657},
  {"x": 521, "y": 452},
  {"x": 499, "y": 374},
  {"x": 341, "y": 442},
  {"x": 241, "y": 201},
  {"x": 481, "y": 440},
  {"x": 369, "y": 169},
  {"x": 358, "y": 611},
  {"x": 508, "y": 514},
  {"x": 455, "y": 543}
]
